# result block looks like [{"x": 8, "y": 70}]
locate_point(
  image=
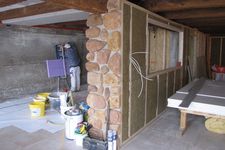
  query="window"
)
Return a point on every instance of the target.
[{"x": 163, "y": 48}]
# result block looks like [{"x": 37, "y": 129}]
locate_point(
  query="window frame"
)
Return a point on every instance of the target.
[{"x": 170, "y": 27}]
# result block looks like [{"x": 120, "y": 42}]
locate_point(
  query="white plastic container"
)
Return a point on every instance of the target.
[
  {"x": 79, "y": 138},
  {"x": 72, "y": 121},
  {"x": 110, "y": 140},
  {"x": 63, "y": 109}
]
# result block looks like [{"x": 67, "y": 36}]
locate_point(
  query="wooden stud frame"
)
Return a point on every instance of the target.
[{"x": 164, "y": 23}]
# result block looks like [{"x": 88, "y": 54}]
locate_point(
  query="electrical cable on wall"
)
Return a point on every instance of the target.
[{"x": 137, "y": 67}]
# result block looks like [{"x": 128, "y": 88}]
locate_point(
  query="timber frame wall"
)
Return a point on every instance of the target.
[
  {"x": 139, "y": 112},
  {"x": 215, "y": 52}
]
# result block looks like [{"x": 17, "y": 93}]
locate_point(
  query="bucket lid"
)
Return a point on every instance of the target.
[
  {"x": 72, "y": 112},
  {"x": 53, "y": 96}
]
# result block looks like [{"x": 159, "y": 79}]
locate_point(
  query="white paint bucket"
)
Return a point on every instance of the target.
[
  {"x": 72, "y": 121},
  {"x": 63, "y": 109},
  {"x": 79, "y": 139}
]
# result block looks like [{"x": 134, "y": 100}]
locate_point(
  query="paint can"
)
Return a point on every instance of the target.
[
  {"x": 37, "y": 109},
  {"x": 73, "y": 118}
]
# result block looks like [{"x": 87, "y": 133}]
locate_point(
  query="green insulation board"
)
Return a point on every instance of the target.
[
  {"x": 215, "y": 51},
  {"x": 162, "y": 99},
  {"x": 185, "y": 57},
  {"x": 201, "y": 65},
  {"x": 223, "y": 54},
  {"x": 138, "y": 40},
  {"x": 125, "y": 76},
  {"x": 156, "y": 48},
  {"x": 151, "y": 99},
  {"x": 178, "y": 79},
  {"x": 137, "y": 109},
  {"x": 170, "y": 89}
]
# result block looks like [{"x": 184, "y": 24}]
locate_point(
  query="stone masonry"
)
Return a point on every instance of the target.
[{"x": 104, "y": 69}]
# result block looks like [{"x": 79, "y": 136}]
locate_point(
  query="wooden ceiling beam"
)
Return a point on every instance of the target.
[
  {"x": 213, "y": 31},
  {"x": 4, "y": 3},
  {"x": 80, "y": 22},
  {"x": 93, "y": 6},
  {"x": 30, "y": 10},
  {"x": 203, "y": 21},
  {"x": 174, "y": 5},
  {"x": 196, "y": 13}
]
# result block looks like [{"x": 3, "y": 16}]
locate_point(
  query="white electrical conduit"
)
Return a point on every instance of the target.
[{"x": 137, "y": 67}]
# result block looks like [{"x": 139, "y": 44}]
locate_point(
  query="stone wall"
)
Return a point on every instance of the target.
[{"x": 104, "y": 69}]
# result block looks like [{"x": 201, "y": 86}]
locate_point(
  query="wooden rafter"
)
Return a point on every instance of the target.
[
  {"x": 195, "y": 13},
  {"x": 94, "y": 6},
  {"x": 4, "y": 3},
  {"x": 30, "y": 10},
  {"x": 204, "y": 22},
  {"x": 174, "y": 5},
  {"x": 80, "y": 22}
]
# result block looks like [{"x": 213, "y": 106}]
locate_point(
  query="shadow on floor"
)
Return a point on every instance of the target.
[{"x": 164, "y": 134}]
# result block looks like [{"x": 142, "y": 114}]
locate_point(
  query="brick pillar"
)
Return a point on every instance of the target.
[{"x": 104, "y": 68}]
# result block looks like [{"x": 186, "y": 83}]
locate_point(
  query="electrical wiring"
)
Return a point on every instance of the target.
[{"x": 137, "y": 67}]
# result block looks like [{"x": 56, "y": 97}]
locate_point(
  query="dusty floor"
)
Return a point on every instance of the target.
[
  {"x": 163, "y": 134},
  {"x": 13, "y": 138}
]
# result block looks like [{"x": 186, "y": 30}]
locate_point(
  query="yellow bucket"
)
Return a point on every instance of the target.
[
  {"x": 43, "y": 95},
  {"x": 37, "y": 109}
]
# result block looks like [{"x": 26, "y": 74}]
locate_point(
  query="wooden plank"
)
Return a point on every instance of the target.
[
  {"x": 94, "y": 6},
  {"x": 125, "y": 70},
  {"x": 172, "y": 5},
  {"x": 30, "y": 10},
  {"x": 4, "y": 3},
  {"x": 207, "y": 115},
  {"x": 192, "y": 93},
  {"x": 151, "y": 99},
  {"x": 195, "y": 13},
  {"x": 183, "y": 121},
  {"x": 162, "y": 102}
]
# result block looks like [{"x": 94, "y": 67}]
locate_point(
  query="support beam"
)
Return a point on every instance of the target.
[
  {"x": 4, "y": 3},
  {"x": 195, "y": 13},
  {"x": 203, "y": 22},
  {"x": 30, "y": 10},
  {"x": 93, "y": 6},
  {"x": 174, "y": 5},
  {"x": 183, "y": 121}
]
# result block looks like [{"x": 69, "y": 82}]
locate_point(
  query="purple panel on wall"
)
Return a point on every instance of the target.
[{"x": 55, "y": 68}]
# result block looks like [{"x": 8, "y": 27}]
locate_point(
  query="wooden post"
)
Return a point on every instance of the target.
[{"x": 183, "y": 121}]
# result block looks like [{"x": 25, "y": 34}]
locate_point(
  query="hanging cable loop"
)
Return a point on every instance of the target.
[{"x": 137, "y": 67}]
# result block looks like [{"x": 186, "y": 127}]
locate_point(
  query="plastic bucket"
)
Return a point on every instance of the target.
[
  {"x": 37, "y": 109},
  {"x": 79, "y": 138},
  {"x": 54, "y": 101},
  {"x": 72, "y": 121},
  {"x": 63, "y": 109}
]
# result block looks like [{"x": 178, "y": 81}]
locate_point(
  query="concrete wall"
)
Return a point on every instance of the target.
[{"x": 23, "y": 52}]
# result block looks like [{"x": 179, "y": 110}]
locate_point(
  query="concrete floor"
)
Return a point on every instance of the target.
[
  {"x": 13, "y": 138},
  {"x": 163, "y": 134}
]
